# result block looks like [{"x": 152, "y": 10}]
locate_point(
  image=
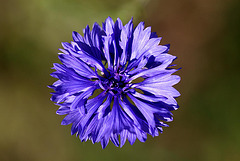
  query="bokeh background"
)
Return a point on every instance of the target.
[{"x": 204, "y": 34}]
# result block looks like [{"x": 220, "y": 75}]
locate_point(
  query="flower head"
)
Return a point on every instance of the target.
[{"x": 115, "y": 83}]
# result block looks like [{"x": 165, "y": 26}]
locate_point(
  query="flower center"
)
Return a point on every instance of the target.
[{"x": 115, "y": 84}]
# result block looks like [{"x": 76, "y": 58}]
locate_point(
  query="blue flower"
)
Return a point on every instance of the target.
[{"x": 115, "y": 83}]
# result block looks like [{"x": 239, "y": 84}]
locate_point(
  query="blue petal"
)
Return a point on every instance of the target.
[
  {"x": 149, "y": 98},
  {"x": 63, "y": 110},
  {"x": 86, "y": 56},
  {"x": 121, "y": 120},
  {"x": 67, "y": 45},
  {"x": 65, "y": 74},
  {"x": 114, "y": 139},
  {"x": 131, "y": 137},
  {"x": 138, "y": 39},
  {"x": 72, "y": 87},
  {"x": 75, "y": 126},
  {"x": 163, "y": 57},
  {"x": 160, "y": 80},
  {"x": 71, "y": 117},
  {"x": 117, "y": 49},
  {"x": 58, "y": 97},
  {"x": 153, "y": 71},
  {"x": 104, "y": 108},
  {"x": 104, "y": 142},
  {"x": 92, "y": 41},
  {"x": 108, "y": 26},
  {"x": 91, "y": 107},
  {"x": 134, "y": 113},
  {"x": 123, "y": 137},
  {"x": 80, "y": 100},
  {"x": 96, "y": 36},
  {"x": 141, "y": 135},
  {"x": 77, "y": 37},
  {"x": 139, "y": 67},
  {"x": 159, "y": 91},
  {"x": 80, "y": 67},
  {"x": 146, "y": 111},
  {"x": 126, "y": 41},
  {"x": 106, "y": 42}
]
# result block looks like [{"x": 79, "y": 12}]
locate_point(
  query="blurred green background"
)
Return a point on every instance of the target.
[{"x": 204, "y": 34}]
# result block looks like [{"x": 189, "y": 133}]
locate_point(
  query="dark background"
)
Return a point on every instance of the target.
[{"x": 204, "y": 34}]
